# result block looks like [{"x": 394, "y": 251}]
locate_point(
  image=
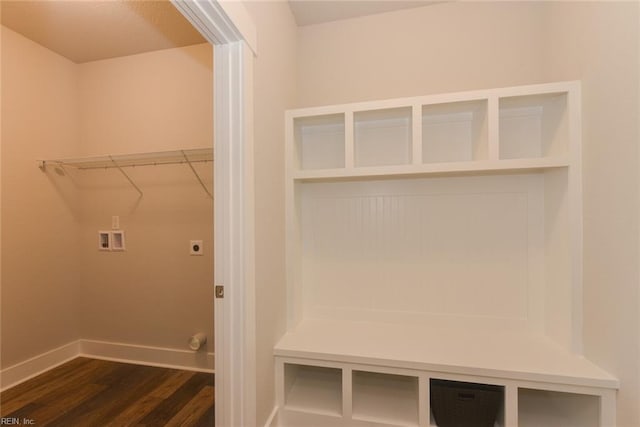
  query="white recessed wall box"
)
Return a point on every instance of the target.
[
  {"x": 104, "y": 240},
  {"x": 111, "y": 240},
  {"x": 117, "y": 240}
]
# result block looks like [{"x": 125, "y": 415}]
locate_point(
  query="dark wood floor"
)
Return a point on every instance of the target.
[{"x": 98, "y": 393}]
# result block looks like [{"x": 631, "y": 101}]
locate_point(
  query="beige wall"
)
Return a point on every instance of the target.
[
  {"x": 599, "y": 43},
  {"x": 40, "y": 222},
  {"x": 274, "y": 92},
  {"x": 56, "y": 286},
  {"x": 470, "y": 45},
  {"x": 153, "y": 101},
  {"x": 445, "y": 47},
  {"x": 155, "y": 293}
]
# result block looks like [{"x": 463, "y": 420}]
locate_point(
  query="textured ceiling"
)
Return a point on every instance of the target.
[
  {"x": 309, "y": 12},
  {"x": 89, "y": 30}
]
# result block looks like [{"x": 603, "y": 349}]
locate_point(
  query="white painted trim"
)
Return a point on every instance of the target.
[
  {"x": 220, "y": 22},
  {"x": 576, "y": 210},
  {"x": 149, "y": 356},
  {"x": 246, "y": 233},
  {"x": 23, "y": 371},
  {"x": 231, "y": 31},
  {"x": 234, "y": 236},
  {"x": 272, "y": 421},
  {"x": 241, "y": 19}
]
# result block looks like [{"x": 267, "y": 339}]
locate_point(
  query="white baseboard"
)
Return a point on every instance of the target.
[
  {"x": 117, "y": 352},
  {"x": 20, "y": 372},
  {"x": 272, "y": 421},
  {"x": 150, "y": 356}
]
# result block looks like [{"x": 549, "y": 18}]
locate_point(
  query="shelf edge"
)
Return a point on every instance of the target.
[{"x": 453, "y": 168}]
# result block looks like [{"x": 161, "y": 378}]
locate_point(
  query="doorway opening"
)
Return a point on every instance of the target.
[{"x": 144, "y": 116}]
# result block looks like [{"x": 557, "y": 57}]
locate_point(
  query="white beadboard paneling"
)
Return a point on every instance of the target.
[{"x": 449, "y": 246}]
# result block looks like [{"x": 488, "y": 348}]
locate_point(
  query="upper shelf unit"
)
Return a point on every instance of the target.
[
  {"x": 526, "y": 127},
  {"x": 120, "y": 161}
]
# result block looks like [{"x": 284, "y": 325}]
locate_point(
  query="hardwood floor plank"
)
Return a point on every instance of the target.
[
  {"x": 193, "y": 410},
  {"x": 49, "y": 376},
  {"x": 208, "y": 419},
  {"x": 175, "y": 381},
  {"x": 49, "y": 384},
  {"x": 53, "y": 406},
  {"x": 174, "y": 403},
  {"x": 25, "y": 411},
  {"x": 125, "y": 384},
  {"x": 96, "y": 393},
  {"x": 135, "y": 412}
]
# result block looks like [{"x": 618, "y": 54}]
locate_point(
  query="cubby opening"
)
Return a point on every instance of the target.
[
  {"x": 455, "y": 403},
  {"x": 557, "y": 409},
  {"x": 454, "y": 132},
  {"x": 388, "y": 398},
  {"x": 534, "y": 126},
  {"x": 320, "y": 142},
  {"x": 383, "y": 137},
  {"x": 499, "y": 422},
  {"x": 313, "y": 389}
]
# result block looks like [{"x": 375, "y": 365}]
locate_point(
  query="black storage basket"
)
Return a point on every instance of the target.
[{"x": 461, "y": 404}]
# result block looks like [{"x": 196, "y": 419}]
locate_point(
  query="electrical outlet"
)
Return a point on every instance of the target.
[{"x": 195, "y": 247}]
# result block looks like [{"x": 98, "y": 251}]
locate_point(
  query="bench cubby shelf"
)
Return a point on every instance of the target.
[
  {"x": 437, "y": 237},
  {"x": 392, "y": 397}
]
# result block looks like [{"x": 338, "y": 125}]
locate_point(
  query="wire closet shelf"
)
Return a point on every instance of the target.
[{"x": 121, "y": 161}]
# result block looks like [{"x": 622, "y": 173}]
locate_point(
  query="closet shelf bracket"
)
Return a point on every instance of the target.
[
  {"x": 125, "y": 175},
  {"x": 204, "y": 187}
]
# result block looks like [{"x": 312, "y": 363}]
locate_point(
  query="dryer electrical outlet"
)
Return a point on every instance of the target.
[{"x": 195, "y": 247}]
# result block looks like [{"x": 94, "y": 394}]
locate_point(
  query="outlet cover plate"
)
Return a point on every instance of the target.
[{"x": 195, "y": 247}]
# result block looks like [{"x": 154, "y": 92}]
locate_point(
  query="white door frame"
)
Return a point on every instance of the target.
[{"x": 229, "y": 28}]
